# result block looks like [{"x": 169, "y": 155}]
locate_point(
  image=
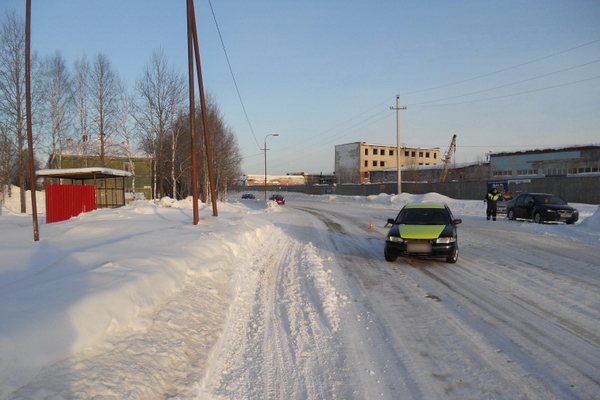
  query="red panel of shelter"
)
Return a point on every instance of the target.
[{"x": 66, "y": 201}]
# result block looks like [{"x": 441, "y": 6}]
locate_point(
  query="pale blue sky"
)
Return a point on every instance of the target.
[{"x": 501, "y": 75}]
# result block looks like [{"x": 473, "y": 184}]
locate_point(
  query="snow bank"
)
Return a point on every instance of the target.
[
  {"x": 12, "y": 203},
  {"x": 104, "y": 271}
]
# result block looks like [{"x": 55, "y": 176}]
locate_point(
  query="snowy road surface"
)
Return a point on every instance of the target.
[
  {"x": 515, "y": 318},
  {"x": 311, "y": 310}
]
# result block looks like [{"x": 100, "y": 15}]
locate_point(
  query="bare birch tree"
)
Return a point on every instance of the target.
[
  {"x": 59, "y": 95},
  {"x": 12, "y": 96},
  {"x": 162, "y": 96},
  {"x": 104, "y": 98},
  {"x": 124, "y": 131},
  {"x": 81, "y": 99}
]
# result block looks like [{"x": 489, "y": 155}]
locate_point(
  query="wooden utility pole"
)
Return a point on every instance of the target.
[
  {"x": 36, "y": 234},
  {"x": 193, "y": 50},
  {"x": 398, "y": 154}
]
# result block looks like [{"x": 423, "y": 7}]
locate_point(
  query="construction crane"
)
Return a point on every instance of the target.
[{"x": 447, "y": 159}]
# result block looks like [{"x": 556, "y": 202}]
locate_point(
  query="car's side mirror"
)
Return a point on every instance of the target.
[
  {"x": 457, "y": 221},
  {"x": 390, "y": 222}
]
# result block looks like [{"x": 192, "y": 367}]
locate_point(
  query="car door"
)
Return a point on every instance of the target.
[
  {"x": 528, "y": 206},
  {"x": 519, "y": 208}
]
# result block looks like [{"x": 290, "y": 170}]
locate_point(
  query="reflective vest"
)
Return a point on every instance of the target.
[{"x": 494, "y": 197}]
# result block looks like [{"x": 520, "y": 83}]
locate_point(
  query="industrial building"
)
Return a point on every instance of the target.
[{"x": 354, "y": 162}]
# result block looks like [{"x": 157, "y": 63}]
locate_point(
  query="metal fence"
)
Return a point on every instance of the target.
[{"x": 571, "y": 189}]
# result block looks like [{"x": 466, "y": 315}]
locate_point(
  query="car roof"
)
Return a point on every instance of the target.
[
  {"x": 538, "y": 194},
  {"x": 425, "y": 205}
]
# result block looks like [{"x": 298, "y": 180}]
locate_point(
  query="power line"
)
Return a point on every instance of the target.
[
  {"x": 232, "y": 74},
  {"x": 503, "y": 70},
  {"x": 510, "y": 95},
  {"x": 346, "y": 131},
  {"x": 513, "y": 83}
]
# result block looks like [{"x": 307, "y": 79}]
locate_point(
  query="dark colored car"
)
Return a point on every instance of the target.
[
  {"x": 425, "y": 230},
  {"x": 248, "y": 196},
  {"x": 277, "y": 198},
  {"x": 541, "y": 207}
]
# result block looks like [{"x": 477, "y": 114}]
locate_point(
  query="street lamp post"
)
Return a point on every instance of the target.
[{"x": 265, "y": 150}]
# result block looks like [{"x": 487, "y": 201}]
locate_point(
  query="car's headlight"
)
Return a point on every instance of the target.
[
  {"x": 395, "y": 239},
  {"x": 445, "y": 240}
]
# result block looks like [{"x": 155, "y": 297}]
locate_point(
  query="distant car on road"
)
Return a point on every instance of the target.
[
  {"x": 277, "y": 198},
  {"x": 425, "y": 230},
  {"x": 541, "y": 207},
  {"x": 248, "y": 196}
]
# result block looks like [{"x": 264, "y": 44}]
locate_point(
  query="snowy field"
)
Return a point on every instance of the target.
[{"x": 138, "y": 303}]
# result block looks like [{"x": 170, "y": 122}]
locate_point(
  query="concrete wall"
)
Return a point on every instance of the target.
[{"x": 571, "y": 189}]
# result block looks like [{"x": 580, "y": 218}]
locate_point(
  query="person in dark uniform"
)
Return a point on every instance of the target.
[{"x": 491, "y": 199}]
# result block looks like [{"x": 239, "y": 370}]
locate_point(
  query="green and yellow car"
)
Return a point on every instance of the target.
[{"x": 426, "y": 230}]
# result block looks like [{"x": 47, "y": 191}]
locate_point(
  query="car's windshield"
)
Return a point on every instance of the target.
[
  {"x": 423, "y": 216},
  {"x": 549, "y": 200}
]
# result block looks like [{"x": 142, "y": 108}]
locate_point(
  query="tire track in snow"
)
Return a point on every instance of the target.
[
  {"x": 282, "y": 332},
  {"x": 452, "y": 341}
]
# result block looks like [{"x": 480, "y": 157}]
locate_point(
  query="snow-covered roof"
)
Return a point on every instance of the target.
[
  {"x": 545, "y": 150},
  {"x": 111, "y": 149},
  {"x": 82, "y": 173}
]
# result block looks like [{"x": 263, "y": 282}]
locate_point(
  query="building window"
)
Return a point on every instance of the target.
[
  {"x": 374, "y": 152},
  {"x": 383, "y": 152},
  {"x": 406, "y": 153},
  {"x": 427, "y": 154},
  {"x": 366, "y": 163},
  {"x": 434, "y": 155},
  {"x": 374, "y": 163},
  {"x": 382, "y": 163},
  {"x": 421, "y": 154},
  {"x": 366, "y": 152},
  {"x": 391, "y": 152},
  {"x": 526, "y": 172},
  {"x": 413, "y": 154}
]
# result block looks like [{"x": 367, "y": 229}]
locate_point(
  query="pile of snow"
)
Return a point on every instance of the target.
[
  {"x": 11, "y": 201},
  {"x": 105, "y": 271}
]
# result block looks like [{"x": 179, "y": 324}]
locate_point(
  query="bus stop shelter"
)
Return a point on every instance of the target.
[{"x": 69, "y": 192}]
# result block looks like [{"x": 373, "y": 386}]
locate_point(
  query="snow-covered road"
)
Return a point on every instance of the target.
[
  {"x": 515, "y": 318},
  {"x": 300, "y": 304}
]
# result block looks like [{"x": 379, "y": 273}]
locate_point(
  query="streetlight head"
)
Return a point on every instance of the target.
[{"x": 276, "y": 134}]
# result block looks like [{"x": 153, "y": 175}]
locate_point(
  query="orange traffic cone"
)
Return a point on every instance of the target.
[{"x": 371, "y": 225}]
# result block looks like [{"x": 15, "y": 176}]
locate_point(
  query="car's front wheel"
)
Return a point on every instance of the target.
[
  {"x": 454, "y": 257},
  {"x": 537, "y": 218},
  {"x": 511, "y": 214},
  {"x": 388, "y": 257}
]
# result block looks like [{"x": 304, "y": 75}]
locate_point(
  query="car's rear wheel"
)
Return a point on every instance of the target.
[
  {"x": 454, "y": 257},
  {"x": 388, "y": 257},
  {"x": 537, "y": 218},
  {"x": 511, "y": 215}
]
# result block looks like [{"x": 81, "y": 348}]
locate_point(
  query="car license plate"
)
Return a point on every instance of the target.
[
  {"x": 412, "y": 247},
  {"x": 565, "y": 215}
]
